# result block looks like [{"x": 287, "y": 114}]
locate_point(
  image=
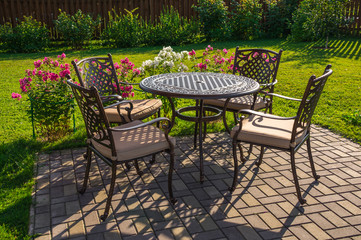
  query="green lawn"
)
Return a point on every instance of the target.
[{"x": 299, "y": 61}]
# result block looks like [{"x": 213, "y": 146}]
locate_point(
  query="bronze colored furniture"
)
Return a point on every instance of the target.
[
  {"x": 199, "y": 86},
  {"x": 285, "y": 133},
  {"x": 121, "y": 144},
  {"x": 260, "y": 65},
  {"x": 99, "y": 72}
]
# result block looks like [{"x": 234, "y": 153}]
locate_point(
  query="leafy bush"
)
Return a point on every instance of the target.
[
  {"x": 172, "y": 29},
  {"x": 213, "y": 15},
  {"x": 278, "y": 17},
  {"x": 51, "y": 100},
  {"x": 316, "y": 19},
  {"x": 76, "y": 29},
  {"x": 246, "y": 16},
  {"x": 28, "y": 36}
]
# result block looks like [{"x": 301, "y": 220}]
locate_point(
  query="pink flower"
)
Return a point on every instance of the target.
[
  {"x": 116, "y": 66},
  {"x": 225, "y": 51},
  {"x": 132, "y": 94},
  {"x": 124, "y": 61},
  {"x": 255, "y": 54},
  {"x": 125, "y": 94},
  {"x": 62, "y": 56},
  {"x": 54, "y": 76},
  {"x": 75, "y": 60},
  {"x": 64, "y": 73},
  {"x": 192, "y": 53},
  {"x": 16, "y": 95},
  {"x": 45, "y": 78},
  {"x": 264, "y": 55},
  {"x": 37, "y": 63},
  {"x": 46, "y": 60},
  {"x": 136, "y": 71},
  {"x": 55, "y": 63},
  {"x": 201, "y": 66},
  {"x": 207, "y": 60},
  {"x": 209, "y": 47}
]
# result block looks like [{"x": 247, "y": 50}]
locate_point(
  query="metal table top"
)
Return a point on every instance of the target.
[{"x": 199, "y": 85}]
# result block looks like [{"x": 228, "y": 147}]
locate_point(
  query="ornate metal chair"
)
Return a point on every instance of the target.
[
  {"x": 285, "y": 133},
  {"x": 260, "y": 65},
  {"x": 121, "y": 144},
  {"x": 99, "y": 72}
]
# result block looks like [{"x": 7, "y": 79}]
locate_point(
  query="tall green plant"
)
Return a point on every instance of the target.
[
  {"x": 278, "y": 17},
  {"x": 172, "y": 29},
  {"x": 246, "y": 16},
  {"x": 124, "y": 30},
  {"x": 316, "y": 19},
  {"x": 76, "y": 29},
  {"x": 29, "y": 35},
  {"x": 213, "y": 15}
]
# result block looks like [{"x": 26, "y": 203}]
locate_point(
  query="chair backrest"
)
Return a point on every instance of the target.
[
  {"x": 309, "y": 102},
  {"x": 95, "y": 119},
  {"x": 98, "y": 72},
  {"x": 258, "y": 64}
]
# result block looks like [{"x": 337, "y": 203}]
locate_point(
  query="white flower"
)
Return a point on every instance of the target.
[
  {"x": 184, "y": 54},
  {"x": 168, "y": 49},
  {"x": 169, "y": 64},
  {"x": 147, "y": 64},
  {"x": 182, "y": 67}
]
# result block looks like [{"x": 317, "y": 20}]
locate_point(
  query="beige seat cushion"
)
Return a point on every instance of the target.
[
  {"x": 141, "y": 109},
  {"x": 244, "y": 102},
  {"x": 267, "y": 131},
  {"x": 135, "y": 143}
]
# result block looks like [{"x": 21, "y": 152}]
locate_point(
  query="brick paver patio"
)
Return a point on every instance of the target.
[{"x": 264, "y": 205}]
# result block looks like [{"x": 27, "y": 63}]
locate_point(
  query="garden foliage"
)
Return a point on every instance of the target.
[
  {"x": 28, "y": 36},
  {"x": 76, "y": 29},
  {"x": 213, "y": 15},
  {"x": 316, "y": 19},
  {"x": 246, "y": 16},
  {"x": 124, "y": 30},
  {"x": 51, "y": 102}
]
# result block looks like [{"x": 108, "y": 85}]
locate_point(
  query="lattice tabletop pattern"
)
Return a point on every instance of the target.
[{"x": 199, "y": 85}]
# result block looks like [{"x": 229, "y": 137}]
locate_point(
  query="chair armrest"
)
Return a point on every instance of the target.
[
  {"x": 269, "y": 84},
  {"x": 252, "y": 112},
  {"x": 127, "y": 83},
  {"x": 284, "y": 97},
  {"x": 142, "y": 125},
  {"x": 119, "y": 103},
  {"x": 110, "y": 98}
]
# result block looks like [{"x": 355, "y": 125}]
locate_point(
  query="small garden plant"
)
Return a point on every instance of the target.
[{"x": 51, "y": 102}]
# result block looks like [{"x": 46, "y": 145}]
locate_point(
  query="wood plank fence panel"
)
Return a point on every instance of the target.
[{"x": 48, "y": 10}]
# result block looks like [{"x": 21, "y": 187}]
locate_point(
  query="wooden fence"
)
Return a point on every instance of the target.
[{"x": 48, "y": 10}]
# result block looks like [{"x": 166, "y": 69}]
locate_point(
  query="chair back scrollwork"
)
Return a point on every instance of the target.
[
  {"x": 98, "y": 72},
  {"x": 258, "y": 64},
  {"x": 95, "y": 119},
  {"x": 309, "y": 102}
]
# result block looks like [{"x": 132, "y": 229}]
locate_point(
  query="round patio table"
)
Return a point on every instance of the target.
[{"x": 199, "y": 86}]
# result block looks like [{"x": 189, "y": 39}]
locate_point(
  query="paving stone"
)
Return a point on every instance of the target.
[{"x": 263, "y": 206}]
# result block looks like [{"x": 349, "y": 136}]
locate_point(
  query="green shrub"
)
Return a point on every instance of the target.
[
  {"x": 76, "y": 29},
  {"x": 354, "y": 118},
  {"x": 28, "y": 36},
  {"x": 278, "y": 17},
  {"x": 173, "y": 29},
  {"x": 246, "y": 16},
  {"x": 124, "y": 30},
  {"x": 213, "y": 15},
  {"x": 316, "y": 19}
]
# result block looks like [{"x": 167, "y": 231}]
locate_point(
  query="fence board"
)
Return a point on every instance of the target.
[{"x": 48, "y": 10}]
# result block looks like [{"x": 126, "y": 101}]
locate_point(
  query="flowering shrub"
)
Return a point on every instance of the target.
[
  {"x": 51, "y": 100},
  {"x": 213, "y": 60},
  {"x": 166, "y": 61},
  {"x": 126, "y": 75}
]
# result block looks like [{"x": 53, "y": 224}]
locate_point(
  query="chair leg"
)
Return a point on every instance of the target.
[
  {"x": 250, "y": 148},
  {"x": 258, "y": 163},
  {"x": 311, "y": 160},
  {"x": 170, "y": 178},
  {"x": 195, "y": 136},
  {"x": 241, "y": 152},
  {"x": 295, "y": 178},
  {"x": 139, "y": 172},
  {"x": 111, "y": 191},
  {"x": 128, "y": 166},
  {"x": 153, "y": 159},
  {"x": 235, "y": 174},
  {"x": 88, "y": 156}
]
